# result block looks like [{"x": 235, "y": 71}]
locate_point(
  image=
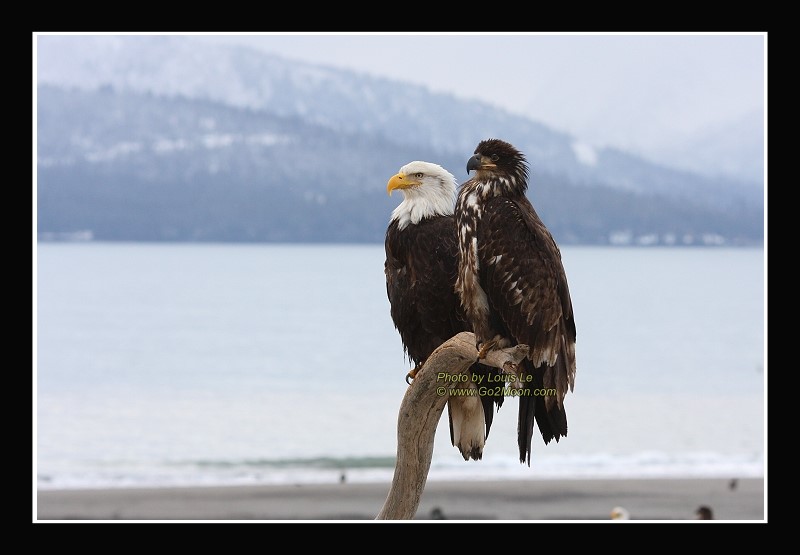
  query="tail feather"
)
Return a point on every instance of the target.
[
  {"x": 470, "y": 417},
  {"x": 527, "y": 413},
  {"x": 490, "y": 402},
  {"x": 551, "y": 421},
  {"x": 467, "y": 426}
]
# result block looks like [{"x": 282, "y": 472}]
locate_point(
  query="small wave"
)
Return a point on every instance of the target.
[{"x": 364, "y": 469}]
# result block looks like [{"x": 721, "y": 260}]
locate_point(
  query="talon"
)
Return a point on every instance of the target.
[
  {"x": 412, "y": 374},
  {"x": 483, "y": 349}
]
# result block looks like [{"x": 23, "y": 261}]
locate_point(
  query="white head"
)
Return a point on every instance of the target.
[
  {"x": 428, "y": 190},
  {"x": 620, "y": 513}
]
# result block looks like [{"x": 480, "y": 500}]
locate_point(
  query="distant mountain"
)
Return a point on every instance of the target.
[
  {"x": 729, "y": 147},
  {"x": 164, "y": 138}
]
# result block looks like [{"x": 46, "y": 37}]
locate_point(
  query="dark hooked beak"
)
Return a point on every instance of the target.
[{"x": 474, "y": 163}]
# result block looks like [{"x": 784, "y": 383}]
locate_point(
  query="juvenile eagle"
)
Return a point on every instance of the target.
[
  {"x": 513, "y": 286},
  {"x": 421, "y": 264}
]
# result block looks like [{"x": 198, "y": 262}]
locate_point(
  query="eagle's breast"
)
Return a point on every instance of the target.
[{"x": 468, "y": 287}]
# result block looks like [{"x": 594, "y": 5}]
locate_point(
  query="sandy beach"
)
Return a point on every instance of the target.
[{"x": 544, "y": 500}]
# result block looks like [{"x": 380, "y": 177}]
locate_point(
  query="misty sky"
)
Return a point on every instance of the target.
[
  {"x": 641, "y": 92},
  {"x": 689, "y": 101}
]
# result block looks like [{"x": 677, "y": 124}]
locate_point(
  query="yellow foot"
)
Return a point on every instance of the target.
[
  {"x": 483, "y": 349},
  {"x": 412, "y": 374}
]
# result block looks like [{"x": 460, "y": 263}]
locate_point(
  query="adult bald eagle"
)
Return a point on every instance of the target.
[
  {"x": 513, "y": 287},
  {"x": 421, "y": 263}
]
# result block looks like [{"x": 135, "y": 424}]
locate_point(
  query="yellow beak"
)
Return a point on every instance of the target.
[{"x": 400, "y": 181}]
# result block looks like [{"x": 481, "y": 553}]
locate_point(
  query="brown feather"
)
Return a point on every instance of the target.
[
  {"x": 420, "y": 267},
  {"x": 519, "y": 269}
]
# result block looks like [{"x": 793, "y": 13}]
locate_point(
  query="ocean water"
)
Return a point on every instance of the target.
[{"x": 210, "y": 364}]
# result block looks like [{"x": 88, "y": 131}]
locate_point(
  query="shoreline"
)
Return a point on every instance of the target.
[{"x": 656, "y": 499}]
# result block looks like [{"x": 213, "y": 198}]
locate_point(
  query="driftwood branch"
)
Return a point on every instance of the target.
[{"x": 419, "y": 415}]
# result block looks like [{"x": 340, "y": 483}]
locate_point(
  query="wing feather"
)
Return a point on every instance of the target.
[
  {"x": 421, "y": 266},
  {"x": 524, "y": 279}
]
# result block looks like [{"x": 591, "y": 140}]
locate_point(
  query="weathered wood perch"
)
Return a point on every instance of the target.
[{"x": 420, "y": 410}]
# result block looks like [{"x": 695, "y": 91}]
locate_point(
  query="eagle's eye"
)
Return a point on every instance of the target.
[
  {"x": 494, "y": 157},
  {"x": 419, "y": 175}
]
